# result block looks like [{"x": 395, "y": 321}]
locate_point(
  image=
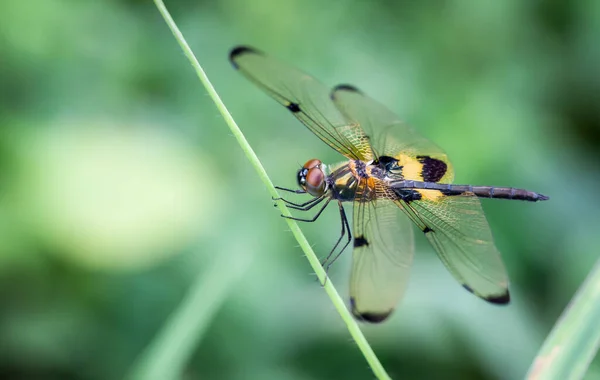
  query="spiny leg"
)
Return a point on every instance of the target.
[
  {"x": 314, "y": 218},
  {"x": 296, "y": 191},
  {"x": 342, "y": 234},
  {"x": 345, "y": 226},
  {"x": 302, "y": 206},
  {"x": 310, "y": 206}
]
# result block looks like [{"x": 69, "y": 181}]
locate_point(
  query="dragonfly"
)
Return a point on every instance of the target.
[{"x": 395, "y": 178}]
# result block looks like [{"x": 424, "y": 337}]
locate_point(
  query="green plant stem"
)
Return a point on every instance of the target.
[
  {"x": 574, "y": 340},
  {"x": 167, "y": 354},
  {"x": 339, "y": 304}
]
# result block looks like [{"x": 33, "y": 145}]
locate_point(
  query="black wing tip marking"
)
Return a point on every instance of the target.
[
  {"x": 371, "y": 317},
  {"x": 360, "y": 241},
  {"x": 238, "y": 51},
  {"x": 344, "y": 87},
  {"x": 498, "y": 299},
  {"x": 502, "y": 299}
]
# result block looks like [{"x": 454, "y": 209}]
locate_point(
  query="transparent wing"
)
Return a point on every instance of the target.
[
  {"x": 389, "y": 136},
  {"x": 382, "y": 256},
  {"x": 305, "y": 97},
  {"x": 459, "y": 232}
]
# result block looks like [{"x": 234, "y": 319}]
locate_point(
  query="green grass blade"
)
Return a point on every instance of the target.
[
  {"x": 573, "y": 342},
  {"x": 337, "y": 301}
]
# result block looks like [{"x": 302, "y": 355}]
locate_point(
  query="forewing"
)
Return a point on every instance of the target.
[
  {"x": 307, "y": 99},
  {"x": 382, "y": 256},
  {"x": 459, "y": 232},
  {"x": 389, "y": 136}
]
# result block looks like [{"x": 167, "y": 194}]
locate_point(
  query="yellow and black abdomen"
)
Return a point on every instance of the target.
[
  {"x": 410, "y": 190},
  {"x": 427, "y": 177}
]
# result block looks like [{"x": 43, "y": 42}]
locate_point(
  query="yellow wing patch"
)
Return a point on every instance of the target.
[
  {"x": 437, "y": 168},
  {"x": 449, "y": 175},
  {"x": 411, "y": 167}
]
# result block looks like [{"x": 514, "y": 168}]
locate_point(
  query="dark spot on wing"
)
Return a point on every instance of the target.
[
  {"x": 293, "y": 107},
  {"x": 239, "y": 51},
  {"x": 371, "y": 317},
  {"x": 433, "y": 169},
  {"x": 468, "y": 288},
  {"x": 427, "y": 230},
  {"x": 359, "y": 241}
]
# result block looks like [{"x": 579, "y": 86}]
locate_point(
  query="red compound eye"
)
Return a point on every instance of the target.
[
  {"x": 315, "y": 181},
  {"x": 312, "y": 163}
]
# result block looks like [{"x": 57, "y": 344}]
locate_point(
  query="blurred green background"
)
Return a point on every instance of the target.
[{"x": 121, "y": 185}]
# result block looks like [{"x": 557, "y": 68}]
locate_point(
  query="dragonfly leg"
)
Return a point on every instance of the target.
[
  {"x": 345, "y": 226},
  {"x": 295, "y": 191},
  {"x": 302, "y": 206},
  {"x": 342, "y": 234},
  {"x": 314, "y": 218}
]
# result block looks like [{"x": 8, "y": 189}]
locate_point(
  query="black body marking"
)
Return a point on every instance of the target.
[
  {"x": 427, "y": 230},
  {"x": 386, "y": 163},
  {"x": 433, "y": 169},
  {"x": 408, "y": 195},
  {"x": 301, "y": 177},
  {"x": 450, "y": 192},
  {"x": 360, "y": 241},
  {"x": 293, "y": 107}
]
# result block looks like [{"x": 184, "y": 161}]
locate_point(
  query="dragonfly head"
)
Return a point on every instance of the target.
[{"x": 312, "y": 179}]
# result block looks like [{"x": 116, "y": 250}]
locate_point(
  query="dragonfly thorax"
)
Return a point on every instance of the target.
[{"x": 312, "y": 179}]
